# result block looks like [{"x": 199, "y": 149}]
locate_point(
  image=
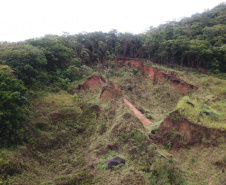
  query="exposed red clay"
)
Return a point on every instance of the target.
[
  {"x": 111, "y": 91},
  {"x": 183, "y": 133},
  {"x": 92, "y": 83},
  {"x": 139, "y": 115},
  {"x": 157, "y": 75}
]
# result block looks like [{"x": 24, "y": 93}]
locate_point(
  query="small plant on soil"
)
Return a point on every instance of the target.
[
  {"x": 170, "y": 160},
  {"x": 75, "y": 97},
  {"x": 169, "y": 145},
  {"x": 102, "y": 165}
]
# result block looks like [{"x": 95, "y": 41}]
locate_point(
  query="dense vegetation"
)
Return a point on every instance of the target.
[
  {"x": 197, "y": 42},
  {"x": 54, "y": 123},
  {"x": 11, "y": 114}
]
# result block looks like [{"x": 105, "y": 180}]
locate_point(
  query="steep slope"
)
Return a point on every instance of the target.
[
  {"x": 139, "y": 115},
  {"x": 156, "y": 75},
  {"x": 119, "y": 114},
  {"x": 180, "y": 132}
]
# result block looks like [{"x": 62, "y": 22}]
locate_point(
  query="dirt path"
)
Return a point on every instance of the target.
[
  {"x": 211, "y": 180},
  {"x": 140, "y": 116}
]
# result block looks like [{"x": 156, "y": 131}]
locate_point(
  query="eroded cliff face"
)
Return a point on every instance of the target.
[
  {"x": 179, "y": 132},
  {"x": 110, "y": 92},
  {"x": 92, "y": 83},
  {"x": 157, "y": 76}
]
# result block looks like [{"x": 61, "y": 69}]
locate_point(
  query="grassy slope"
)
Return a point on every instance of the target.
[
  {"x": 210, "y": 97},
  {"x": 70, "y": 141},
  {"x": 154, "y": 100},
  {"x": 57, "y": 136},
  {"x": 199, "y": 163}
]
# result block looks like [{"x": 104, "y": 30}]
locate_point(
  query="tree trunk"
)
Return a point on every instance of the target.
[{"x": 181, "y": 60}]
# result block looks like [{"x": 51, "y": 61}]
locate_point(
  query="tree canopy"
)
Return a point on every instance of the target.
[{"x": 12, "y": 99}]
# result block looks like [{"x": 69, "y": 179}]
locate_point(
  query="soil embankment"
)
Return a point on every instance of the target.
[
  {"x": 180, "y": 132},
  {"x": 139, "y": 115},
  {"x": 92, "y": 83},
  {"x": 156, "y": 75},
  {"x": 110, "y": 92}
]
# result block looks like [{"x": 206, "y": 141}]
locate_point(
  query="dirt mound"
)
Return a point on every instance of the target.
[
  {"x": 140, "y": 116},
  {"x": 92, "y": 83},
  {"x": 176, "y": 132},
  {"x": 110, "y": 91},
  {"x": 157, "y": 75}
]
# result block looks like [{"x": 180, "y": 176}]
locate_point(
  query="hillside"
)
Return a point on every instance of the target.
[{"x": 116, "y": 108}]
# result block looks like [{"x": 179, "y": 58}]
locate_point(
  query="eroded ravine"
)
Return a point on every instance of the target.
[
  {"x": 156, "y": 75},
  {"x": 175, "y": 133},
  {"x": 139, "y": 115}
]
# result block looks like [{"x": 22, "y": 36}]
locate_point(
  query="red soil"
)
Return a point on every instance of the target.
[
  {"x": 157, "y": 75},
  {"x": 111, "y": 91},
  {"x": 139, "y": 115},
  {"x": 93, "y": 83},
  {"x": 182, "y": 133}
]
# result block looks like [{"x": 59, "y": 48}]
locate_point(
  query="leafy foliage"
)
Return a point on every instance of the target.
[
  {"x": 26, "y": 61},
  {"x": 63, "y": 124},
  {"x": 58, "y": 56},
  {"x": 12, "y": 99}
]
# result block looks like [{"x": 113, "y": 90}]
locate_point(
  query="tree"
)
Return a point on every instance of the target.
[
  {"x": 25, "y": 60},
  {"x": 169, "y": 46},
  {"x": 216, "y": 33},
  {"x": 57, "y": 54},
  {"x": 182, "y": 45},
  {"x": 199, "y": 51},
  {"x": 84, "y": 55},
  {"x": 151, "y": 42},
  {"x": 73, "y": 73},
  {"x": 12, "y": 115}
]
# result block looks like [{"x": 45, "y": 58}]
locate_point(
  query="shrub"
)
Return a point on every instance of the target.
[
  {"x": 25, "y": 60},
  {"x": 120, "y": 64},
  {"x": 170, "y": 160},
  {"x": 85, "y": 70},
  {"x": 12, "y": 99},
  {"x": 75, "y": 97},
  {"x": 5, "y": 160},
  {"x": 73, "y": 73},
  {"x": 165, "y": 173},
  {"x": 135, "y": 71}
]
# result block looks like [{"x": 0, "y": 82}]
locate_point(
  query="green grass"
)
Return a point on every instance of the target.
[
  {"x": 210, "y": 96},
  {"x": 70, "y": 141},
  {"x": 198, "y": 163},
  {"x": 153, "y": 100},
  {"x": 199, "y": 113},
  {"x": 57, "y": 135}
]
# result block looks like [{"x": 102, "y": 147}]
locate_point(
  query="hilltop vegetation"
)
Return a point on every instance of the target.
[
  {"x": 63, "y": 115},
  {"x": 197, "y": 42}
]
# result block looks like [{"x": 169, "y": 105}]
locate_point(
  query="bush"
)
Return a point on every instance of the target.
[
  {"x": 25, "y": 60},
  {"x": 5, "y": 160},
  {"x": 165, "y": 173},
  {"x": 73, "y": 73},
  {"x": 85, "y": 70},
  {"x": 135, "y": 71},
  {"x": 76, "y": 62},
  {"x": 75, "y": 97},
  {"x": 12, "y": 99}
]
